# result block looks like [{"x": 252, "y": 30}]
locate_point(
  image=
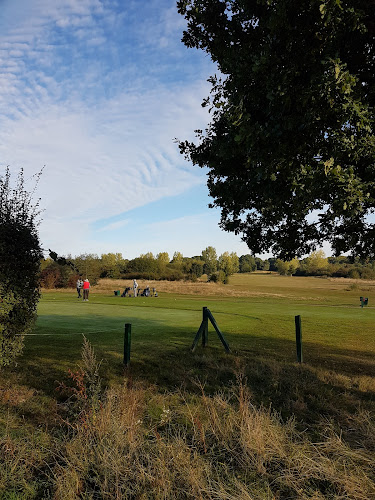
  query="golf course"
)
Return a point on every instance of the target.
[
  {"x": 255, "y": 312},
  {"x": 251, "y": 423}
]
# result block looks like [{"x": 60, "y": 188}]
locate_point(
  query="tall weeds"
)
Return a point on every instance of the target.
[
  {"x": 133, "y": 442},
  {"x": 145, "y": 445}
]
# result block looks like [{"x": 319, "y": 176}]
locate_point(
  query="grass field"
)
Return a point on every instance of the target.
[{"x": 330, "y": 394}]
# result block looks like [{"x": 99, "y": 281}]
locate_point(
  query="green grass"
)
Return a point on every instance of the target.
[
  {"x": 338, "y": 342},
  {"x": 337, "y": 333},
  {"x": 335, "y": 385}
]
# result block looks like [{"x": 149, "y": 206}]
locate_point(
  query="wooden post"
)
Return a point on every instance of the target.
[
  {"x": 205, "y": 327},
  {"x": 218, "y": 331},
  {"x": 197, "y": 337},
  {"x": 203, "y": 330},
  {"x": 297, "y": 320},
  {"x": 127, "y": 343}
]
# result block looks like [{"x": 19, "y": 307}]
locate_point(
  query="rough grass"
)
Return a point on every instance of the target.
[{"x": 249, "y": 425}]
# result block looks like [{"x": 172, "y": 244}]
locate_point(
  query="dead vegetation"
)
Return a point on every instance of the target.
[{"x": 131, "y": 441}]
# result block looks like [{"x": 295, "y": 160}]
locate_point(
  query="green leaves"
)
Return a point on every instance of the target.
[
  {"x": 20, "y": 255},
  {"x": 299, "y": 89}
]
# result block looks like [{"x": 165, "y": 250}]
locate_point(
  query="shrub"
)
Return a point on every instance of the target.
[
  {"x": 367, "y": 273},
  {"x": 20, "y": 256}
]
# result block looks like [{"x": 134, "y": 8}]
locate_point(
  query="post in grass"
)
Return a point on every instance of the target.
[
  {"x": 127, "y": 343},
  {"x": 297, "y": 320}
]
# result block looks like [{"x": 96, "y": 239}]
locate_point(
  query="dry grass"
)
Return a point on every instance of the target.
[
  {"x": 182, "y": 288},
  {"x": 261, "y": 284},
  {"x": 133, "y": 442},
  {"x": 219, "y": 447}
]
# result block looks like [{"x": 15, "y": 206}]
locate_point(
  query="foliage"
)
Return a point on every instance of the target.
[
  {"x": 162, "y": 261},
  {"x": 89, "y": 266},
  {"x": 209, "y": 256},
  {"x": 228, "y": 263},
  {"x": 290, "y": 147},
  {"x": 112, "y": 265},
  {"x": 193, "y": 268},
  {"x": 287, "y": 267},
  {"x": 315, "y": 264},
  {"x": 56, "y": 275},
  {"x": 247, "y": 264},
  {"x": 20, "y": 255}
]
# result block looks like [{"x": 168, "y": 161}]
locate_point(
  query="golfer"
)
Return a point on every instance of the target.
[
  {"x": 135, "y": 286},
  {"x": 79, "y": 286},
  {"x": 86, "y": 289}
]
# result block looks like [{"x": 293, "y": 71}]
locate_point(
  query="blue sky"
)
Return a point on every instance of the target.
[{"x": 96, "y": 90}]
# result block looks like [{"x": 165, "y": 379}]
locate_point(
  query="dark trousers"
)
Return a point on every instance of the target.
[{"x": 79, "y": 292}]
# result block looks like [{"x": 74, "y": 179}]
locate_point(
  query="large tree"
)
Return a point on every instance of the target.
[
  {"x": 290, "y": 148},
  {"x": 20, "y": 256}
]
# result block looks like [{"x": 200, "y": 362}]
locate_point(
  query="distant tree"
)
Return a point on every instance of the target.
[
  {"x": 266, "y": 265},
  {"x": 282, "y": 267},
  {"x": 88, "y": 266},
  {"x": 272, "y": 264},
  {"x": 247, "y": 263},
  {"x": 145, "y": 263},
  {"x": 177, "y": 258},
  {"x": 193, "y": 268},
  {"x": 293, "y": 266},
  {"x": 316, "y": 263},
  {"x": 209, "y": 256},
  {"x": 112, "y": 265},
  {"x": 260, "y": 263},
  {"x": 234, "y": 263},
  {"x": 228, "y": 263},
  {"x": 292, "y": 120},
  {"x": 54, "y": 275},
  {"x": 20, "y": 256},
  {"x": 162, "y": 261},
  {"x": 287, "y": 268}
]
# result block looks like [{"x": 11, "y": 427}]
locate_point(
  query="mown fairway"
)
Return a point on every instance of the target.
[{"x": 338, "y": 334}]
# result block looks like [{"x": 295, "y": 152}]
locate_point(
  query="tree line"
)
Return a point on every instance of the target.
[{"x": 61, "y": 272}]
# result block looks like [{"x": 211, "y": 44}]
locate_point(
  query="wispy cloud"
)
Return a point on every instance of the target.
[
  {"x": 96, "y": 91},
  {"x": 114, "y": 226}
]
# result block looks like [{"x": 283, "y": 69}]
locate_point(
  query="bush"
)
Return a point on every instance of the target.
[
  {"x": 367, "y": 273},
  {"x": 20, "y": 256},
  {"x": 354, "y": 274}
]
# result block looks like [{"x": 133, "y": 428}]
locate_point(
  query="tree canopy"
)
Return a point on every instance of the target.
[{"x": 290, "y": 147}]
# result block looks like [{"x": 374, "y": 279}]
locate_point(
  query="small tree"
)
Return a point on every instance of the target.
[
  {"x": 209, "y": 256},
  {"x": 20, "y": 256}
]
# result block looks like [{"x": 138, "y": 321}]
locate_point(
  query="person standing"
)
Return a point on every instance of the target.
[
  {"x": 79, "y": 287},
  {"x": 86, "y": 290},
  {"x": 135, "y": 286}
]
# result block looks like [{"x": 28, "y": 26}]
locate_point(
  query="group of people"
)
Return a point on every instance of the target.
[
  {"x": 146, "y": 292},
  {"x": 85, "y": 286}
]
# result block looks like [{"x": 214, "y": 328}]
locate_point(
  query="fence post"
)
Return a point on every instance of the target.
[
  {"x": 297, "y": 320},
  {"x": 205, "y": 327},
  {"x": 127, "y": 343}
]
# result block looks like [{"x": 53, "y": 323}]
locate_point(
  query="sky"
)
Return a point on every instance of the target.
[{"x": 96, "y": 91}]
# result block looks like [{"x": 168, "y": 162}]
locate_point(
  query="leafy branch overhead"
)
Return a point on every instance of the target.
[{"x": 290, "y": 147}]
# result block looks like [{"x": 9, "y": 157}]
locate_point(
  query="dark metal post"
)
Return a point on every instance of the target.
[
  {"x": 205, "y": 327},
  {"x": 299, "y": 338},
  {"x": 127, "y": 343}
]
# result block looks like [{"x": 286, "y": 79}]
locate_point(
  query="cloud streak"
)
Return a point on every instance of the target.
[{"x": 97, "y": 91}]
